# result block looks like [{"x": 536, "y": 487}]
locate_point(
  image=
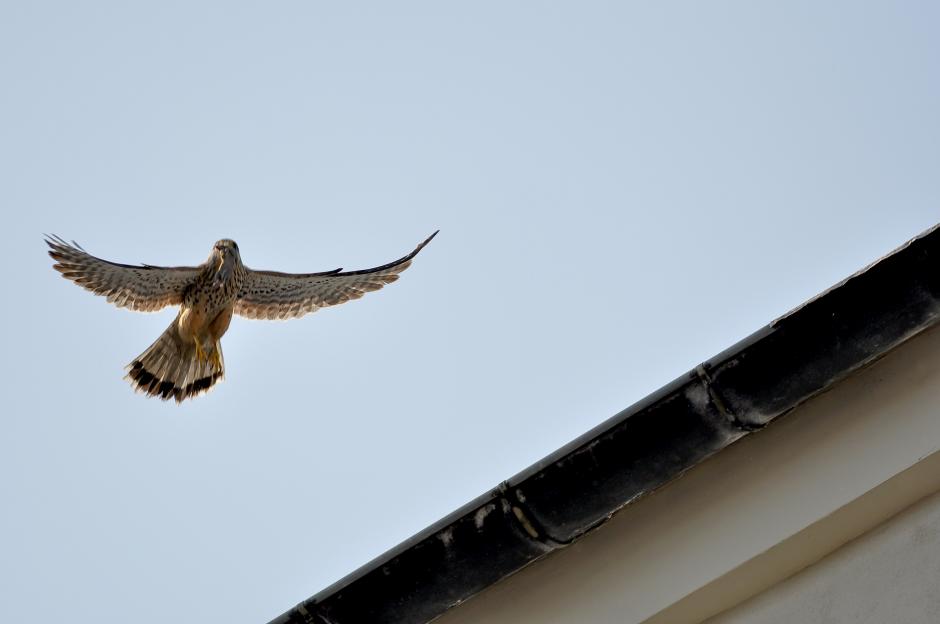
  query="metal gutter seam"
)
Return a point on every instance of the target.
[
  {"x": 578, "y": 487},
  {"x": 702, "y": 373}
]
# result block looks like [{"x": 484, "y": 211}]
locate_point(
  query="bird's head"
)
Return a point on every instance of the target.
[{"x": 225, "y": 257}]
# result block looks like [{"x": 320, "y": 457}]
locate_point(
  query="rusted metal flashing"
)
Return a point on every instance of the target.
[{"x": 577, "y": 488}]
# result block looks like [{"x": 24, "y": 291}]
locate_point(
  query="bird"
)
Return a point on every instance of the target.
[{"x": 186, "y": 360}]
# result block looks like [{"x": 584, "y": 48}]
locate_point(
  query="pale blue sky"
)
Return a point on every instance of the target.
[{"x": 623, "y": 190}]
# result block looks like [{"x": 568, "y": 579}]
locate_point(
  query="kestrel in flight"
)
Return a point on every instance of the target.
[{"x": 186, "y": 360}]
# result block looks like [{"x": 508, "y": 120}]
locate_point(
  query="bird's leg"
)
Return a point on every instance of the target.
[
  {"x": 200, "y": 354},
  {"x": 216, "y": 358}
]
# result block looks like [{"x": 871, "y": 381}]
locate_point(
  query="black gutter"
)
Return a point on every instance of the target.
[{"x": 577, "y": 488}]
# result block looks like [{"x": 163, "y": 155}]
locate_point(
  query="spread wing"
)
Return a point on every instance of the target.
[
  {"x": 142, "y": 288},
  {"x": 273, "y": 295}
]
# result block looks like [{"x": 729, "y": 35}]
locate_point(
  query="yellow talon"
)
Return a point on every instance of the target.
[
  {"x": 200, "y": 354},
  {"x": 217, "y": 359}
]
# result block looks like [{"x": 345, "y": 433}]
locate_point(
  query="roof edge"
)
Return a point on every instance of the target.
[{"x": 578, "y": 487}]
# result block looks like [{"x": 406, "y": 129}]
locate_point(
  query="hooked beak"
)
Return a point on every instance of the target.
[{"x": 223, "y": 271}]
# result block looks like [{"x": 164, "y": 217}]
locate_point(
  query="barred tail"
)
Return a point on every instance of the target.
[{"x": 170, "y": 368}]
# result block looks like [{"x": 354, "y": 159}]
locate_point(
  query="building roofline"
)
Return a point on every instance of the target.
[{"x": 577, "y": 488}]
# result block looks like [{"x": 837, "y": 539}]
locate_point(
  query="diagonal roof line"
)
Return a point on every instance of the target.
[{"x": 578, "y": 487}]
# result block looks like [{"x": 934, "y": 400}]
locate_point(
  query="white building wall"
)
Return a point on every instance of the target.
[
  {"x": 760, "y": 511},
  {"x": 889, "y": 575}
]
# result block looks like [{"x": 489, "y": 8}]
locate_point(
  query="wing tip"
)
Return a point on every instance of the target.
[
  {"x": 57, "y": 249},
  {"x": 419, "y": 247},
  {"x": 58, "y": 244},
  {"x": 427, "y": 240},
  {"x": 52, "y": 240}
]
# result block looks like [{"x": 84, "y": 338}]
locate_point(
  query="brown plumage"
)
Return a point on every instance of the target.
[{"x": 186, "y": 360}]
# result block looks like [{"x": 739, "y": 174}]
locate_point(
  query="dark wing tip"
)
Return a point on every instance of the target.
[
  {"x": 426, "y": 241},
  {"x": 57, "y": 247},
  {"x": 404, "y": 260},
  {"x": 57, "y": 243},
  {"x": 420, "y": 247}
]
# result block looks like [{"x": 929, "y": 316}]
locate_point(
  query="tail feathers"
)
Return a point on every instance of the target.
[{"x": 169, "y": 368}]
